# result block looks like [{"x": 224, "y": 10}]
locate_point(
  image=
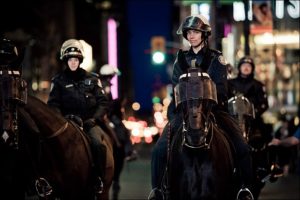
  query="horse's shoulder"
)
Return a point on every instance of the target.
[{"x": 92, "y": 76}]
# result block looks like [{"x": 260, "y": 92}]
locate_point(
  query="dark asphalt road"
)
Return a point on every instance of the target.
[{"x": 135, "y": 181}]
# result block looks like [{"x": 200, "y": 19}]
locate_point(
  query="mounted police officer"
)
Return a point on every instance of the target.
[
  {"x": 255, "y": 91},
  {"x": 123, "y": 147},
  {"x": 78, "y": 95},
  {"x": 115, "y": 115},
  {"x": 196, "y": 29}
]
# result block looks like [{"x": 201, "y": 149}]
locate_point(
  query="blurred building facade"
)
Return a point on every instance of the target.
[{"x": 268, "y": 32}]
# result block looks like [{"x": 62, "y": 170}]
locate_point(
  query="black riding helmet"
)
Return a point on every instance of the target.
[
  {"x": 8, "y": 52},
  {"x": 195, "y": 22},
  {"x": 246, "y": 59},
  {"x": 249, "y": 60}
]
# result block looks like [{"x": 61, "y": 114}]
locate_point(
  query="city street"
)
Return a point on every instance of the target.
[{"x": 135, "y": 181}]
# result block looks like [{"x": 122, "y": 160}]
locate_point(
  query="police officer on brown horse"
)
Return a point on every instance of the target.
[
  {"x": 196, "y": 29},
  {"x": 78, "y": 95}
]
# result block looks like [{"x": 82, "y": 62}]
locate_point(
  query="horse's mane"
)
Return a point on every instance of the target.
[{"x": 38, "y": 103}]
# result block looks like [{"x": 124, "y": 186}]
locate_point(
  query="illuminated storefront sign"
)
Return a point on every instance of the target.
[{"x": 291, "y": 8}]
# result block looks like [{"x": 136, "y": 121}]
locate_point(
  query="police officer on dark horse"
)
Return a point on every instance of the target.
[
  {"x": 196, "y": 30},
  {"x": 258, "y": 134},
  {"x": 78, "y": 95}
]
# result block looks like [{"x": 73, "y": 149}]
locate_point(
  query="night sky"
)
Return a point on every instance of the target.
[{"x": 147, "y": 19}]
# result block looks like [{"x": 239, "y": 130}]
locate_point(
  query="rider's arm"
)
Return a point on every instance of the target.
[
  {"x": 262, "y": 99},
  {"x": 218, "y": 73},
  {"x": 102, "y": 101},
  {"x": 179, "y": 64},
  {"x": 289, "y": 141},
  {"x": 54, "y": 100}
]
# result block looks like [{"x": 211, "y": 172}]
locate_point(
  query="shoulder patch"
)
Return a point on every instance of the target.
[
  {"x": 94, "y": 74},
  {"x": 99, "y": 83},
  {"x": 222, "y": 60},
  {"x": 51, "y": 86},
  {"x": 216, "y": 51}
]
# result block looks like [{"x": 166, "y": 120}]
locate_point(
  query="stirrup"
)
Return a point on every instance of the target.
[
  {"x": 99, "y": 186},
  {"x": 244, "y": 194},
  {"x": 42, "y": 187},
  {"x": 276, "y": 171},
  {"x": 156, "y": 194}
]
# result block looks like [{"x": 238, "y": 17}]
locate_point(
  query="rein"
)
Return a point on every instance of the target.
[{"x": 59, "y": 131}]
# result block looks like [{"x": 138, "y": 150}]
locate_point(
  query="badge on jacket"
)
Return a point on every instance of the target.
[
  {"x": 51, "y": 86},
  {"x": 222, "y": 60}
]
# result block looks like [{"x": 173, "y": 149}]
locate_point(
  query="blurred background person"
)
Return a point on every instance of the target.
[
  {"x": 288, "y": 141},
  {"x": 285, "y": 151},
  {"x": 123, "y": 147}
]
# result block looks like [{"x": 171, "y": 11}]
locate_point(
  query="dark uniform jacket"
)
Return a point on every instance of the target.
[
  {"x": 255, "y": 92},
  {"x": 252, "y": 89},
  {"x": 78, "y": 93},
  {"x": 209, "y": 61}
]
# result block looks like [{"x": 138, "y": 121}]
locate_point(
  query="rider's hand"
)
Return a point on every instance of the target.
[
  {"x": 89, "y": 123},
  {"x": 275, "y": 142}
]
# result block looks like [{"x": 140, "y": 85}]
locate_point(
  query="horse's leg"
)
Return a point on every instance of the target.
[
  {"x": 109, "y": 170},
  {"x": 119, "y": 156},
  {"x": 12, "y": 184}
]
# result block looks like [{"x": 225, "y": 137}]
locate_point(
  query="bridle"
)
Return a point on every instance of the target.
[
  {"x": 208, "y": 132},
  {"x": 13, "y": 92},
  {"x": 243, "y": 110},
  {"x": 195, "y": 93}
]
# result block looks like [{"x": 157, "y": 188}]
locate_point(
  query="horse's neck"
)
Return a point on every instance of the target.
[{"x": 47, "y": 120}]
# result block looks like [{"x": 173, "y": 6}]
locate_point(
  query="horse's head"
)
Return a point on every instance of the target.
[
  {"x": 13, "y": 92},
  {"x": 195, "y": 95},
  {"x": 242, "y": 109}
]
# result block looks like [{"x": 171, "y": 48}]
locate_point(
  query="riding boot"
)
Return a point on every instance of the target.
[
  {"x": 98, "y": 150},
  {"x": 115, "y": 190},
  {"x": 99, "y": 156},
  {"x": 275, "y": 170}
]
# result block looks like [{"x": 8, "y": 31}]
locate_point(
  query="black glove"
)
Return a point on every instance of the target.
[
  {"x": 88, "y": 124},
  {"x": 75, "y": 119}
]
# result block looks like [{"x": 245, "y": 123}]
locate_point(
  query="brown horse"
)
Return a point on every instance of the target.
[{"x": 40, "y": 148}]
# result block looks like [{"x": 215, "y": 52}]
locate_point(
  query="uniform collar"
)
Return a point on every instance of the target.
[
  {"x": 201, "y": 52},
  {"x": 76, "y": 75}
]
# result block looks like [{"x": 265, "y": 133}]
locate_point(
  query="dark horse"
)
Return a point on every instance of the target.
[
  {"x": 243, "y": 110},
  {"x": 41, "y": 149},
  {"x": 200, "y": 160}
]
